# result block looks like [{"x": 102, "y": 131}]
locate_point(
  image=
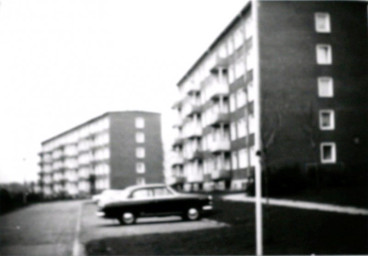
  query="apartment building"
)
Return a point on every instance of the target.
[
  {"x": 285, "y": 80},
  {"x": 111, "y": 151}
]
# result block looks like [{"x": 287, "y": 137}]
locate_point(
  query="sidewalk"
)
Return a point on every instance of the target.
[{"x": 300, "y": 204}]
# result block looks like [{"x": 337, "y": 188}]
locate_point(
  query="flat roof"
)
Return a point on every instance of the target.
[
  {"x": 95, "y": 119},
  {"x": 217, "y": 40}
]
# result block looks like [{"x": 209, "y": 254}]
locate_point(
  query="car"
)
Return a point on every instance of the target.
[
  {"x": 106, "y": 196},
  {"x": 155, "y": 200}
]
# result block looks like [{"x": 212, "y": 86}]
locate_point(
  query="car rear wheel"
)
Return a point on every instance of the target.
[
  {"x": 192, "y": 214},
  {"x": 127, "y": 218}
]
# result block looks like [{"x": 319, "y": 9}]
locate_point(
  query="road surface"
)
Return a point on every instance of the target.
[
  {"x": 40, "y": 229},
  {"x": 64, "y": 227}
]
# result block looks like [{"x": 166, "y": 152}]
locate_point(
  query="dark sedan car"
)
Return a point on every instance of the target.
[{"x": 155, "y": 200}]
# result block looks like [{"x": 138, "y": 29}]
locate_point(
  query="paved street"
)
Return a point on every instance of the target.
[
  {"x": 40, "y": 229},
  {"x": 54, "y": 228}
]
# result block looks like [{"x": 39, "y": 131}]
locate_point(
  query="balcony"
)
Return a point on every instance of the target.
[
  {"x": 178, "y": 140},
  {"x": 195, "y": 153},
  {"x": 192, "y": 129},
  {"x": 216, "y": 87},
  {"x": 219, "y": 144},
  {"x": 179, "y": 179},
  {"x": 194, "y": 108},
  {"x": 190, "y": 87},
  {"x": 221, "y": 174},
  {"x": 219, "y": 118},
  {"x": 221, "y": 63},
  {"x": 198, "y": 177},
  {"x": 177, "y": 159}
]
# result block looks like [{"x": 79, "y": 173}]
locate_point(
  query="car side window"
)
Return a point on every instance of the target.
[
  {"x": 142, "y": 194},
  {"x": 161, "y": 192}
]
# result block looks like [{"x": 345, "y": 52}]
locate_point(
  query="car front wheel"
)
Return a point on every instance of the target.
[
  {"x": 127, "y": 218},
  {"x": 192, "y": 214}
]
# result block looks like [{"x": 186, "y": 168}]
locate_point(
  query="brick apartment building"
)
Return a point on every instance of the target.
[
  {"x": 288, "y": 77},
  {"x": 111, "y": 151}
]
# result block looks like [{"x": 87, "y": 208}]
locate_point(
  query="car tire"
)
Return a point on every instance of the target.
[
  {"x": 192, "y": 214},
  {"x": 127, "y": 218}
]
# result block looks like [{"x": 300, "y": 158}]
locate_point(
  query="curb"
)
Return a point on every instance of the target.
[{"x": 300, "y": 205}]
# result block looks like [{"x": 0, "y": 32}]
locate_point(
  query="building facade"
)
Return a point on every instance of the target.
[
  {"x": 284, "y": 83},
  {"x": 111, "y": 151}
]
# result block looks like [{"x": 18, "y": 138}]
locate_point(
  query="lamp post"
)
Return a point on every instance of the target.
[{"x": 258, "y": 139}]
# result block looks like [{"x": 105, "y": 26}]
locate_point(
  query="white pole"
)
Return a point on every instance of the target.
[{"x": 257, "y": 109}]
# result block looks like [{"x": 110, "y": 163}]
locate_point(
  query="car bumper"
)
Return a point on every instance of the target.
[
  {"x": 100, "y": 214},
  {"x": 206, "y": 208}
]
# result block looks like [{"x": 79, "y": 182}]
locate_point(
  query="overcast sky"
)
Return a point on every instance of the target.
[{"x": 63, "y": 62}]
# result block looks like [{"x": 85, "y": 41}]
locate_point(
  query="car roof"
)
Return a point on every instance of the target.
[{"x": 152, "y": 185}]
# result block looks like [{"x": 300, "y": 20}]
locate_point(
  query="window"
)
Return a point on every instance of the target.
[
  {"x": 234, "y": 160},
  {"x": 326, "y": 119},
  {"x": 324, "y": 54},
  {"x": 239, "y": 68},
  {"x": 250, "y": 59},
  {"x": 233, "y": 131},
  {"x": 232, "y": 102},
  {"x": 241, "y": 128},
  {"x": 243, "y": 160},
  {"x": 140, "y": 152},
  {"x": 139, "y": 122},
  {"x": 322, "y": 22},
  {"x": 139, "y": 137},
  {"x": 140, "y": 167},
  {"x": 240, "y": 98},
  {"x": 328, "y": 152},
  {"x": 161, "y": 192},
  {"x": 248, "y": 27},
  {"x": 230, "y": 45},
  {"x": 142, "y": 193},
  {"x": 238, "y": 38},
  {"x": 325, "y": 87},
  {"x": 231, "y": 74}
]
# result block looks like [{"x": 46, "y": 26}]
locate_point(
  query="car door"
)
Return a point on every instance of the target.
[
  {"x": 166, "y": 201},
  {"x": 142, "y": 201}
]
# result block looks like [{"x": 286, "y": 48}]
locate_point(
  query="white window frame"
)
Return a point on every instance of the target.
[
  {"x": 322, "y": 17},
  {"x": 328, "y": 82},
  {"x": 140, "y": 152},
  {"x": 139, "y": 122},
  {"x": 332, "y": 159},
  {"x": 139, "y": 137},
  {"x": 331, "y": 117},
  {"x": 140, "y": 167},
  {"x": 321, "y": 59}
]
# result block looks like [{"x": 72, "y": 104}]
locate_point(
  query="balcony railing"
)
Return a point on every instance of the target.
[
  {"x": 179, "y": 179},
  {"x": 221, "y": 63},
  {"x": 198, "y": 177},
  {"x": 192, "y": 129},
  {"x": 177, "y": 159},
  {"x": 219, "y": 118},
  {"x": 190, "y": 87},
  {"x": 219, "y": 144},
  {"x": 216, "y": 87},
  {"x": 221, "y": 174}
]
